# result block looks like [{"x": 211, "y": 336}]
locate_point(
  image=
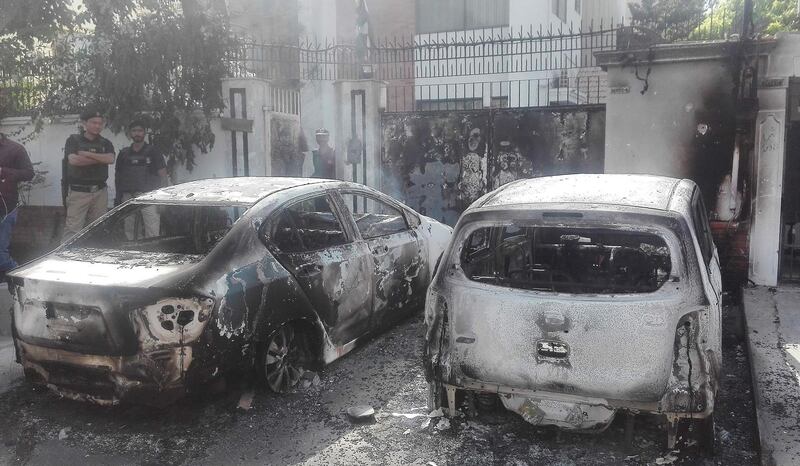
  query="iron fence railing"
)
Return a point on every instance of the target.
[
  {"x": 535, "y": 92},
  {"x": 433, "y": 55},
  {"x": 419, "y": 64}
]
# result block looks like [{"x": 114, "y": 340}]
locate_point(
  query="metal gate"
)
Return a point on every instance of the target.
[{"x": 438, "y": 163}]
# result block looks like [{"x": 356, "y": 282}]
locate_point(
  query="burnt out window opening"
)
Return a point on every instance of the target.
[
  {"x": 373, "y": 217},
  {"x": 307, "y": 225},
  {"x": 567, "y": 260},
  {"x": 176, "y": 229},
  {"x": 702, "y": 228}
]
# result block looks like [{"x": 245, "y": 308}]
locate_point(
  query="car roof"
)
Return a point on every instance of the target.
[
  {"x": 639, "y": 191},
  {"x": 246, "y": 190}
]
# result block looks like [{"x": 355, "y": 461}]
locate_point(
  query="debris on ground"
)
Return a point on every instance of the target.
[
  {"x": 443, "y": 424},
  {"x": 310, "y": 379},
  {"x": 408, "y": 415},
  {"x": 246, "y": 400},
  {"x": 436, "y": 413},
  {"x": 64, "y": 433},
  {"x": 669, "y": 458},
  {"x": 361, "y": 413}
]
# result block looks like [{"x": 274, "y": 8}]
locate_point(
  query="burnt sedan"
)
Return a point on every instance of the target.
[
  {"x": 575, "y": 297},
  {"x": 188, "y": 283}
]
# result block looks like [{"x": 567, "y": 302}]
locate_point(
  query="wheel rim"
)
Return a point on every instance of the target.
[{"x": 281, "y": 361}]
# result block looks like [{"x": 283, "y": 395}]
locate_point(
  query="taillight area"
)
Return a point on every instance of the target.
[
  {"x": 172, "y": 320},
  {"x": 691, "y": 384}
]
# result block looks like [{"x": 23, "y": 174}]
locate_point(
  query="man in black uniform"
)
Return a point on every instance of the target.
[
  {"x": 140, "y": 168},
  {"x": 324, "y": 158},
  {"x": 85, "y": 171}
]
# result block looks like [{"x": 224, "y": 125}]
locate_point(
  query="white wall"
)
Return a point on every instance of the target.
[
  {"x": 47, "y": 147},
  {"x": 653, "y": 133},
  {"x": 318, "y": 97},
  {"x": 595, "y": 11},
  {"x": 525, "y": 17}
]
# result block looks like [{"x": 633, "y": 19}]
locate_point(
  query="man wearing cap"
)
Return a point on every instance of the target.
[
  {"x": 86, "y": 159},
  {"x": 15, "y": 166},
  {"x": 324, "y": 157},
  {"x": 140, "y": 168}
]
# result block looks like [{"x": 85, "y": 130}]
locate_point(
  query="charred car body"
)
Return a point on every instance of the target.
[
  {"x": 271, "y": 274},
  {"x": 574, "y": 297}
]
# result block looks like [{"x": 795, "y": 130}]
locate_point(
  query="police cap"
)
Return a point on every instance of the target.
[{"x": 90, "y": 112}]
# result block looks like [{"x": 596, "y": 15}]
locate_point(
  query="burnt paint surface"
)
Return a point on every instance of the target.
[
  {"x": 243, "y": 291},
  {"x": 440, "y": 162},
  {"x": 687, "y": 376}
]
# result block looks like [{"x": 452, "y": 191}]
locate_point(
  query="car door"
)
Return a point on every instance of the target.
[
  {"x": 399, "y": 282},
  {"x": 334, "y": 270},
  {"x": 710, "y": 260}
]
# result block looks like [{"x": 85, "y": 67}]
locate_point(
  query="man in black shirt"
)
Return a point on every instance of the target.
[
  {"x": 140, "y": 168},
  {"x": 15, "y": 166},
  {"x": 86, "y": 160}
]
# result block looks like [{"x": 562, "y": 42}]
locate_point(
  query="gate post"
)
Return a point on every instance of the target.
[
  {"x": 358, "y": 107},
  {"x": 246, "y": 102}
]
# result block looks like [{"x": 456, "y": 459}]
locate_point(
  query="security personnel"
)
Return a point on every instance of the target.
[
  {"x": 85, "y": 170},
  {"x": 140, "y": 168},
  {"x": 324, "y": 158}
]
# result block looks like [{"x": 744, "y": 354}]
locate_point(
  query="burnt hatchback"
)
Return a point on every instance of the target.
[
  {"x": 185, "y": 284},
  {"x": 576, "y": 297}
]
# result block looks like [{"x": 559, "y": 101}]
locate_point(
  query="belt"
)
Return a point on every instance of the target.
[{"x": 87, "y": 188}]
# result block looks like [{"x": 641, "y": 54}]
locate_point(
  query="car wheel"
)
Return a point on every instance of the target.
[{"x": 283, "y": 357}]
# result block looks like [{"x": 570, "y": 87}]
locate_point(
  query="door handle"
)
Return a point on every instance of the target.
[{"x": 378, "y": 250}]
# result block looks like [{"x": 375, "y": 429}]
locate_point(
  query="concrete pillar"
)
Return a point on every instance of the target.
[
  {"x": 766, "y": 226},
  {"x": 256, "y": 102},
  {"x": 770, "y": 154},
  {"x": 373, "y": 101}
]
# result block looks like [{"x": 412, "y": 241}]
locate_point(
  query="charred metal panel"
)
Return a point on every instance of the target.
[
  {"x": 440, "y": 162},
  {"x": 527, "y": 143},
  {"x": 436, "y": 163},
  {"x": 287, "y": 146}
]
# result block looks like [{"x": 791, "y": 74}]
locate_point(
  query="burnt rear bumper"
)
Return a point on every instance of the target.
[{"x": 155, "y": 378}]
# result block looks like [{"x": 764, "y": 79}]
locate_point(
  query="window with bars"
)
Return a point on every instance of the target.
[{"x": 459, "y": 15}]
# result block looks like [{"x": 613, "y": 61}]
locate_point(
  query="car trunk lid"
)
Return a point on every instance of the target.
[{"x": 83, "y": 306}]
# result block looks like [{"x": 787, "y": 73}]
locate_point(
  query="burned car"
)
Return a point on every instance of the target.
[
  {"x": 272, "y": 275},
  {"x": 575, "y": 297}
]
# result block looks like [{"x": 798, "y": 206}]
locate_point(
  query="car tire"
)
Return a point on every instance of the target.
[{"x": 283, "y": 358}]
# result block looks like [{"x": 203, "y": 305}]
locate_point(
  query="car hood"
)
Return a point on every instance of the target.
[{"x": 87, "y": 266}]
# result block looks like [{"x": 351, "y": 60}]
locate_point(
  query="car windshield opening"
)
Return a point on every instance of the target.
[
  {"x": 567, "y": 260},
  {"x": 176, "y": 229}
]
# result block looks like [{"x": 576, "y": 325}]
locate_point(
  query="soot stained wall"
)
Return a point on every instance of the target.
[{"x": 440, "y": 162}]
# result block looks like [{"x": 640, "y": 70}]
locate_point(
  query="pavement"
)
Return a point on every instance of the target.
[
  {"x": 772, "y": 319},
  {"x": 310, "y": 425}
]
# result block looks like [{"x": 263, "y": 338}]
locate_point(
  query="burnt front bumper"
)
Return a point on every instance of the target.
[{"x": 153, "y": 378}]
